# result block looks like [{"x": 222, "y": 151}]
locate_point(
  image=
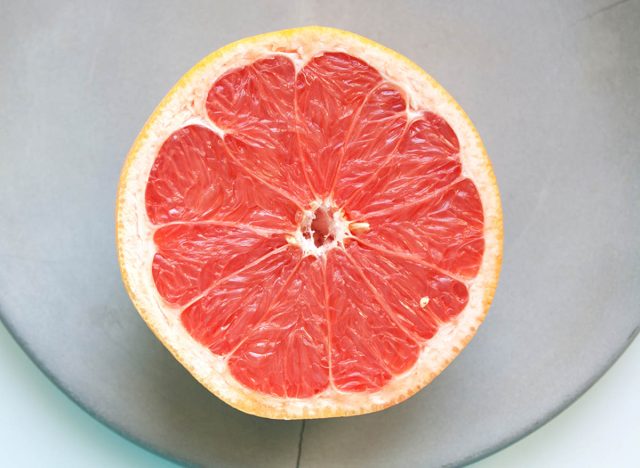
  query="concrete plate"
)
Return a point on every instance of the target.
[{"x": 553, "y": 89}]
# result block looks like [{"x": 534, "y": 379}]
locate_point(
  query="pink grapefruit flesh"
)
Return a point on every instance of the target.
[{"x": 313, "y": 229}]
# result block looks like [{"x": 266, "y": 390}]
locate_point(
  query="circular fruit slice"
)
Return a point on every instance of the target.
[{"x": 310, "y": 224}]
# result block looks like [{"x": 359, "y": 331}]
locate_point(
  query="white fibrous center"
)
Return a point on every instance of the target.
[{"x": 321, "y": 228}]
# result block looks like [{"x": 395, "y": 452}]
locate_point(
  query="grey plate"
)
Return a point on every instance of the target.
[{"x": 554, "y": 90}]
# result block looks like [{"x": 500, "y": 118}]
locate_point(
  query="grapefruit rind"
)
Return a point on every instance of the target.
[{"x": 185, "y": 104}]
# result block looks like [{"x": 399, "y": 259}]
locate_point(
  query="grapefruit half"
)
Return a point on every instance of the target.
[{"x": 310, "y": 224}]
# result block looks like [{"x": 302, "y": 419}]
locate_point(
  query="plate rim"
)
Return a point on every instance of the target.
[{"x": 172, "y": 457}]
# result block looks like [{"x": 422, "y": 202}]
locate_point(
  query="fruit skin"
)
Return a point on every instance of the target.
[{"x": 257, "y": 404}]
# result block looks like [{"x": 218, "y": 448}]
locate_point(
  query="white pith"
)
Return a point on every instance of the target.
[
  {"x": 338, "y": 229},
  {"x": 135, "y": 232}
]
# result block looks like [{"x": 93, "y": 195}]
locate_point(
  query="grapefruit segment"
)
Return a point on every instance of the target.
[
  {"x": 367, "y": 346},
  {"x": 194, "y": 179},
  {"x": 425, "y": 158},
  {"x": 254, "y": 98},
  {"x": 254, "y": 106},
  {"x": 330, "y": 90},
  {"x": 286, "y": 354},
  {"x": 310, "y": 224},
  {"x": 190, "y": 257},
  {"x": 445, "y": 228},
  {"x": 422, "y": 298},
  {"x": 374, "y": 136},
  {"x": 231, "y": 307}
]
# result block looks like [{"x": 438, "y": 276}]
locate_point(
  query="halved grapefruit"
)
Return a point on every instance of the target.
[{"x": 310, "y": 224}]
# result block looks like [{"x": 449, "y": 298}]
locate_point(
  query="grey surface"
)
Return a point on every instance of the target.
[{"x": 554, "y": 90}]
